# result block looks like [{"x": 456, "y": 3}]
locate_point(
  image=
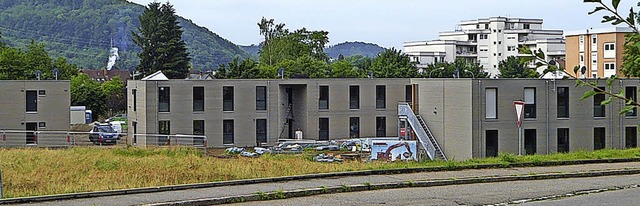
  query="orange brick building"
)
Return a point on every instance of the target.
[{"x": 598, "y": 52}]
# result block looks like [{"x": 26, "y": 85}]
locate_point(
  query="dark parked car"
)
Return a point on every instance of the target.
[{"x": 103, "y": 133}]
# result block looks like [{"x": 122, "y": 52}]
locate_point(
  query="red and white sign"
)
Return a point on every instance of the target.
[{"x": 519, "y": 107}]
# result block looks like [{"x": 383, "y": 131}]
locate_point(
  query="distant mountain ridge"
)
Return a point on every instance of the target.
[
  {"x": 354, "y": 48},
  {"x": 84, "y": 30},
  {"x": 345, "y": 48}
]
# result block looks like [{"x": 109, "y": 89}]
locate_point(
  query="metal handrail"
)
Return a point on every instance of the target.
[{"x": 405, "y": 110}]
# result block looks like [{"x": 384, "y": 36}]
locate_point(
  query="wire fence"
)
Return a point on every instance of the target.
[{"x": 175, "y": 140}]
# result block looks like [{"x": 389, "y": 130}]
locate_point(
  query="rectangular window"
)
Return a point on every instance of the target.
[
  {"x": 198, "y": 99},
  {"x": 354, "y": 127},
  {"x": 529, "y": 102},
  {"x": 594, "y": 39},
  {"x": 631, "y": 93},
  {"x": 42, "y": 92},
  {"x": 610, "y": 66},
  {"x": 563, "y": 102},
  {"x": 609, "y": 46},
  {"x": 227, "y": 99},
  {"x": 491, "y": 101},
  {"x": 164, "y": 94},
  {"x": 164, "y": 127},
  {"x": 135, "y": 99},
  {"x": 354, "y": 97},
  {"x": 381, "y": 96},
  {"x": 530, "y": 143},
  {"x": 631, "y": 137},
  {"x": 42, "y": 125},
  {"x": 261, "y": 131},
  {"x": 381, "y": 126},
  {"x": 323, "y": 128},
  {"x": 511, "y": 48},
  {"x": 491, "y": 143},
  {"x": 32, "y": 101},
  {"x": 261, "y": 98},
  {"x": 198, "y": 129},
  {"x": 526, "y": 26},
  {"x": 227, "y": 132},
  {"x": 599, "y": 138},
  {"x": 563, "y": 140},
  {"x": 598, "y": 108},
  {"x": 323, "y": 101}
]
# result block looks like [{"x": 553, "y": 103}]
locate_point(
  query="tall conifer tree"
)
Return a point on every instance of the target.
[{"x": 160, "y": 37}]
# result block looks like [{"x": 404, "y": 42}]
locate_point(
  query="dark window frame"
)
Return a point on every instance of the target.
[
  {"x": 530, "y": 146},
  {"x": 599, "y": 138},
  {"x": 323, "y": 128},
  {"x": 599, "y": 110},
  {"x": 228, "y": 98},
  {"x": 228, "y": 132},
  {"x": 563, "y": 140},
  {"x": 631, "y": 93},
  {"x": 198, "y": 99},
  {"x": 261, "y": 98},
  {"x": 381, "y": 126},
  {"x": 631, "y": 137},
  {"x": 354, "y": 97},
  {"x": 164, "y": 99},
  {"x": 354, "y": 127},
  {"x": 491, "y": 136},
  {"x": 530, "y": 108},
  {"x": 135, "y": 99},
  {"x": 323, "y": 97},
  {"x": 31, "y": 103},
  {"x": 261, "y": 130},
  {"x": 563, "y": 102},
  {"x": 381, "y": 96}
]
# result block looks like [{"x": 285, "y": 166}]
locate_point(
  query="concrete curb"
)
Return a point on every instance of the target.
[
  {"x": 382, "y": 186},
  {"x": 298, "y": 177}
]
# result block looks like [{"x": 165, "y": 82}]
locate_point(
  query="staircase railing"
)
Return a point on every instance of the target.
[{"x": 422, "y": 132}]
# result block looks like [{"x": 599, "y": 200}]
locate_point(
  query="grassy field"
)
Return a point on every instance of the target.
[{"x": 30, "y": 172}]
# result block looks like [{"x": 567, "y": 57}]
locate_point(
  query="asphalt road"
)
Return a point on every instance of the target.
[{"x": 486, "y": 193}]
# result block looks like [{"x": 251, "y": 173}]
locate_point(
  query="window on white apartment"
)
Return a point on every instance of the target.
[
  {"x": 494, "y": 30},
  {"x": 494, "y": 42},
  {"x": 610, "y": 66},
  {"x": 594, "y": 58},
  {"x": 491, "y": 102},
  {"x": 594, "y": 39},
  {"x": 499, "y": 30},
  {"x": 609, "y": 46},
  {"x": 499, "y": 54},
  {"x": 581, "y": 57},
  {"x": 526, "y": 26},
  {"x": 499, "y": 42},
  {"x": 511, "y": 48},
  {"x": 581, "y": 39}
]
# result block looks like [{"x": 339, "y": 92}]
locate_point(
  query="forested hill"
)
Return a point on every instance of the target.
[
  {"x": 83, "y": 31},
  {"x": 345, "y": 48},
  {"x": 353, "y": 48}
]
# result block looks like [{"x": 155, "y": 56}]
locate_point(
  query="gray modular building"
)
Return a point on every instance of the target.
[
  {"x": 34, "y": 105},
  {"x": 469, "y": 118}
]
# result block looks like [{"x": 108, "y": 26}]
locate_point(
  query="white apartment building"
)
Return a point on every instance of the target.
[{"x": 487, "y": 41}]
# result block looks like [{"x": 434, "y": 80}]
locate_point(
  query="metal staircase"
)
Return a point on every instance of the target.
[{"x": 426, "y": 138}]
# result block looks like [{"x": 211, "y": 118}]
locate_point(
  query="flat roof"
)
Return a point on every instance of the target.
[{"x": 599, "y": 31}]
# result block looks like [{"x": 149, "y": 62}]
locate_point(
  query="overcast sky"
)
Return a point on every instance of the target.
[{"x": 384, "y": 22}]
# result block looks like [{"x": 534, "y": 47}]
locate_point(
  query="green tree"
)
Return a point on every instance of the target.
[
  {"x": 160, "y": 38},
  {"x": 344, "y": 69},
  {"x": 280, "y": 44},
  {"x": 247, "y": 69},
  {"x": 304, "y": 67},
  {"x": 16, "y": 64},
  {"x": 114, "y": 92},
  {"x": 86, "y": 92},
  {"x": 393, "y": 63},
  {"x": 458, "y": 69},
  {"x": 631, "y": 57},
  {"x": 513, "y": 68}
]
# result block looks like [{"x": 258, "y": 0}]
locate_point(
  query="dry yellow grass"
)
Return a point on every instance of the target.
[{"x": 30, "y": 172}]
